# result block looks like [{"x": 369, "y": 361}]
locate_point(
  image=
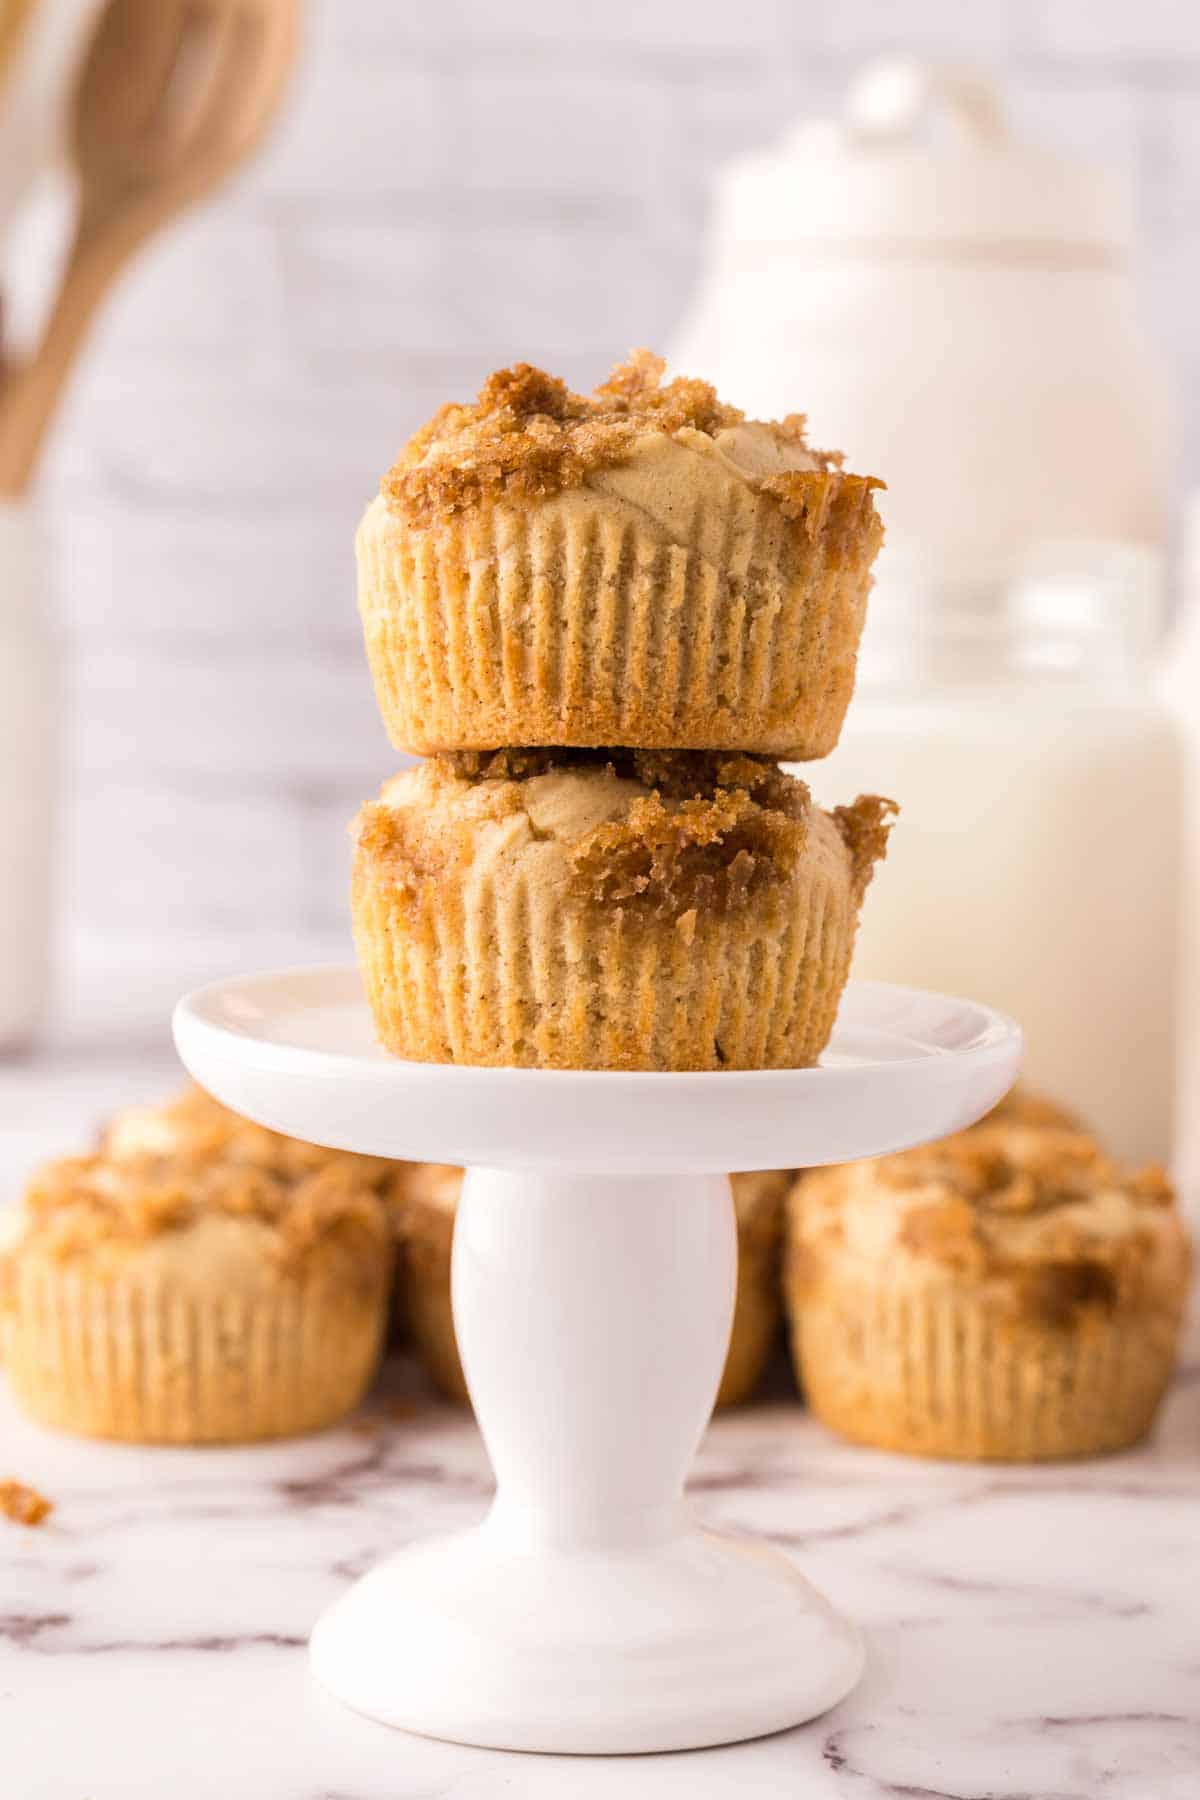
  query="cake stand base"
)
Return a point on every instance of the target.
[
  {"x": 594, "y": 1272},
  {"x": 702, "y": 1640}
]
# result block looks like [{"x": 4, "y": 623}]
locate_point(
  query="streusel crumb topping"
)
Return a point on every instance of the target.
[
  {"x": 527, "y": 435},
  {"x": 1007, "y": 1169},
  {"x": 675, "y": 774},
  {"x": 196, "y": 1126},
  {"x": 678, "y": 832},
  {"x": 1045, "y": 1212},
  {"x": 76, "y": 1203}
]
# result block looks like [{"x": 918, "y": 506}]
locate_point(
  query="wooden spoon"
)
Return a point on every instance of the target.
[{"x": 172, "y": 95}]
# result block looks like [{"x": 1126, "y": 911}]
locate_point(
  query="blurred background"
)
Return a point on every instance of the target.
[{"x": 446, "y": 189}]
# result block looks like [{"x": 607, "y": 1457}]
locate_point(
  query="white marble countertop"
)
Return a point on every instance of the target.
[{"x": 1034, "y": 1633}]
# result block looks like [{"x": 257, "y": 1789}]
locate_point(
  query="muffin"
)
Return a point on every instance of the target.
[
  {"x": 608, "y": 910},
  {"x": 1007, "y": 1294},
  {"x": 194, "y": 1125},
  {"x": 165, "y": 1299},
  {"x": 1031, "y": 1108},
  {"x": 641, "y": 566},
  {"x": 758, "y": 1200},
  {"x": 425, "y": 1198}
]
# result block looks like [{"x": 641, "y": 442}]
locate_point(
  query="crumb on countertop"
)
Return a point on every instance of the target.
[{"x": 23, "y": 1505}]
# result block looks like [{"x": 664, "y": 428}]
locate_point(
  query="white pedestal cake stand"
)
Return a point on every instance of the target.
[{"x": 594, "y": 1271}]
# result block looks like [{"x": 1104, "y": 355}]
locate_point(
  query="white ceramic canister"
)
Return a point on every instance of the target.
[
  {"x": 953, "y": 309},
  {"x": 30, "y": 686}
]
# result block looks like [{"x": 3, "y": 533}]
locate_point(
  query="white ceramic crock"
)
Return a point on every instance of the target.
[{"x": 951, "y": 307}]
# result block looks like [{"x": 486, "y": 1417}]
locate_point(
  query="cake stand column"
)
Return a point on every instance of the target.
[
  {"x": 589, "y": 1612},
  {"x": 593, "y": 1316}
]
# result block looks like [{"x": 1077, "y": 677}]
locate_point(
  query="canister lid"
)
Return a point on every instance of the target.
[{"x": 921, "y": 159}]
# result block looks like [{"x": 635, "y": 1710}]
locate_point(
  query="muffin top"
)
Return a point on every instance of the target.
[
  {"x": 1029, "y": 1107},
  {"x": 671, "y": 833},
  {"x": 199, "y": 1217},
  {"x": 527, "y": 436},
  {"x": 195, "y": 1126},
  {"x": 1043, "y": 1210}
]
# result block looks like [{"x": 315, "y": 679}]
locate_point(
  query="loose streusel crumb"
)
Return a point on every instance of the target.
[
  {"x": 24, "y": 1505},
  {"x": 864, "y": 827},
  {"x": 527, "y": 435}
]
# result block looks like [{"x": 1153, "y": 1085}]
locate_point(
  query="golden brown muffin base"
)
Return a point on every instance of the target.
[
  {"x": 956, "y": 1374},
  {"x": 145, "y": 1360}
]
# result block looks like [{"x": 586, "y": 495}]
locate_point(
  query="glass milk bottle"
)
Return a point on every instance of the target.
[{"x": 1035, "y": 864}]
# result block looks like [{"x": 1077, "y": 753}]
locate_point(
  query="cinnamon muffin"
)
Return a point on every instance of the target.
[
  {"x": 425, "y": 1199},
  {"x": 194, "y": 1125},
  {"x": 1029, "y": 1107},
  {"x": 608, "y": 910},
  {"x": 1008, "y": 1293},
  {"x": 168, "y": 1299},
  {"x": 640, "y": 566}
]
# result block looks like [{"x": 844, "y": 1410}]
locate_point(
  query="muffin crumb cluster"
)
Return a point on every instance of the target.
[{"x": 23, "y": 1505}]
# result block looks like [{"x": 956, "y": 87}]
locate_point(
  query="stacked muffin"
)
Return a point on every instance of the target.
[{"x": 602, "y": 619}]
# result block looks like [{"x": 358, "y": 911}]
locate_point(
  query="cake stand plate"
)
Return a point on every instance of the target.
[{"x": 594, "y": 1272}]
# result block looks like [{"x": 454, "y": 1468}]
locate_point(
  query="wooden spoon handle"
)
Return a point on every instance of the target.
[{"x": 30, "y": 396}]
